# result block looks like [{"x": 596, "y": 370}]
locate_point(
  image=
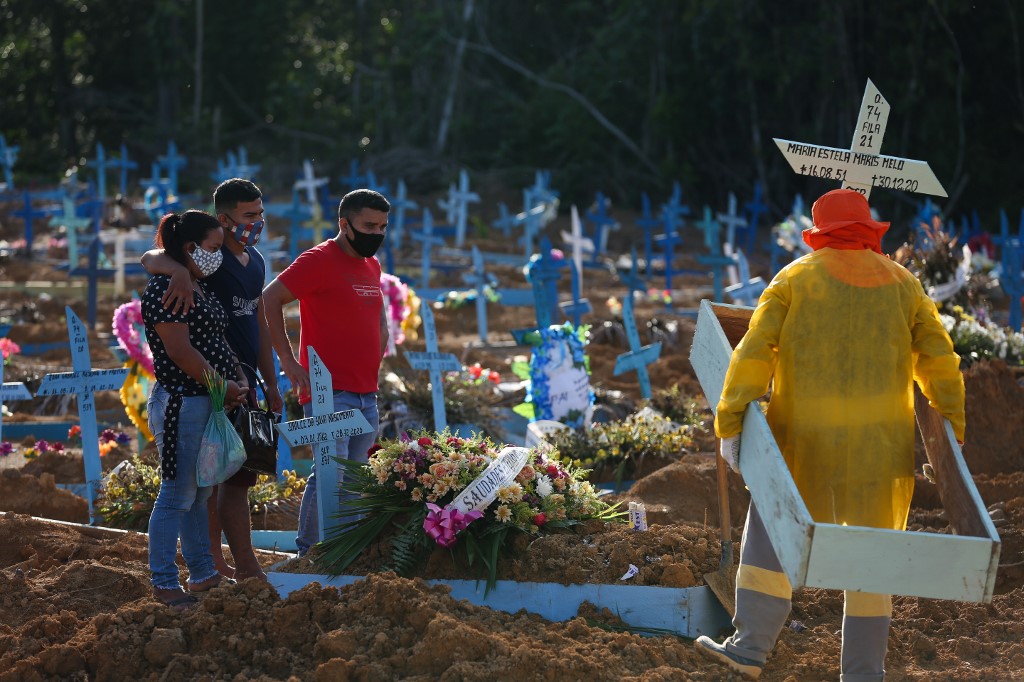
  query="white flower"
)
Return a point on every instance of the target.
[{"x": 544, "y": 487}]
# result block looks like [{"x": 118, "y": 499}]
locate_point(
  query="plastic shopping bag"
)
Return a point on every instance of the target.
[{"x": 221, "y": 452}]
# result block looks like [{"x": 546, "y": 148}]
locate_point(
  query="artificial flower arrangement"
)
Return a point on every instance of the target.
[
  {"x": 453, "y": 300},
  {"x": 397, "y": 295},
  {"x": 558, "y": 374},
  {"x": 617, "y": 450},
  {"x": 131, "y": 337},
  {"x": 976, "y": 338},
  {"x": 8, "y": 348},
  {"x": 129, "y": 491},
  {"x": 470, "y": 397},
  {"x": 108, "y": 440},
  {"x": 439, "y": 490}
]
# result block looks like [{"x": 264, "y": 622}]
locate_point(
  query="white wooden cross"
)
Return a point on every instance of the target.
[
  {"x": 578, "y": 242},
  {"x": 861, "y": 167},
  {"x": 731, "y": 220},
  {"x": 309, "y": 182},
  {"x": 321, "y": 431},
  {"x": 83, "y": 381}
]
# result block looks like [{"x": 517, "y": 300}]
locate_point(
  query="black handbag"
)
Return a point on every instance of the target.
[{"x": 255, "y": 426}]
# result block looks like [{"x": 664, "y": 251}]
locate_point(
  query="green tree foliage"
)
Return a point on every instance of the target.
[{"x": 615, "y": 95}]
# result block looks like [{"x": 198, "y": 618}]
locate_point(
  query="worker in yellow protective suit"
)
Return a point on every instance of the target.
[{"x": 840, "y": 335}]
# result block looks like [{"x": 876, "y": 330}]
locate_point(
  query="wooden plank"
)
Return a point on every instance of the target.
[
  {"x": 900, "y": 562},
  {"x": 690, "y": 611}
]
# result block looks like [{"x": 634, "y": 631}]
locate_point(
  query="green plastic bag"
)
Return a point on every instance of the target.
[{"x": 221, "y": 452}]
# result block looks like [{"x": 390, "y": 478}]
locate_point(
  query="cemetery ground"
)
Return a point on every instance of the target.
[{"x": 78, "y": 599}]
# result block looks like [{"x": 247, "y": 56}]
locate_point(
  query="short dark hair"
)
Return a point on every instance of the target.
[
  {"x": 358, "y": 199},
  {"x": 177, "y": 230},
  {"x": 232, "y": 192}
]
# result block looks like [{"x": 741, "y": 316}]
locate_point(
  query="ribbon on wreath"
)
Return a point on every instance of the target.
[{"x": 442, "y": 525}]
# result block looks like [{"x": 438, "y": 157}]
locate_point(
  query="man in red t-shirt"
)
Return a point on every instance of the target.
[{"x": 341, "y": 314}]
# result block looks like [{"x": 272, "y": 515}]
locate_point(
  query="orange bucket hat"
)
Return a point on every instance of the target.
[{"x": 842, "y": 220}]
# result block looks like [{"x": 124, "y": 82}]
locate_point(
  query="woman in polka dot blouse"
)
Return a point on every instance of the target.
[{"x": 185, "y": 345}]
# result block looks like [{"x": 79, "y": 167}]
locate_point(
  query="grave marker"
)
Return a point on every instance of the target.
[
  {"x": 101, "y": 164},
  {"x": 83, "y": 381},
  {"x": 674, "y": 209},
  {"x": 633, "y": 280},
  {"x": 505, "y": 221},
  {"x": 72, "y": 223},
  {"x": 243, "y": 169},
  {"x": 478, "y": 279},
  {"x": 544, "y": 274},
  {"x": 457, "y": 206},
  {"x": 578, "y": 306},
  {"x": 399, "y": 204},
  {"x": 321, "y": 430},
  {"x": 427, "y": 237},
  {"x": 309, "y": 182},
  {"x": 371, "y": 183},
  {"x": 603, "y": 223},
  {"x": 647, "y": 223},
  {"x": 317, "y": 224},
  {"x": 435, "y": 363},
  {"x": 754, "y": 208},
  {"x": 638, "y": 356},
  {"x": 745, "y": 291},
  {"x": 28, "y": 215},
  {"x": 668, "y": 243},
  {"x": 862, "y": 167},
  {"x": 123, "y": 164},
  {"x": 532, "y": 221},
  {"x": 10, "y": 391},
  {"x": 173, "y": 162},
  {"x": 353, "y": 180},
  {"x": 731, "y": 220},
  {"x": 578, "y": 242}
]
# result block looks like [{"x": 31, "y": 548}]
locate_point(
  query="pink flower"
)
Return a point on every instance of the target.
[{"x": 9, "y": 348}]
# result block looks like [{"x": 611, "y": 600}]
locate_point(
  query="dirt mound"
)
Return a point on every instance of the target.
[
  {"x": 40, "y": 496},
  {"x": 995, "y": 430}
]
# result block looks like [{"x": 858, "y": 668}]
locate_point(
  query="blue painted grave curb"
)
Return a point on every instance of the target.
[{"x": 690, "y": 611}]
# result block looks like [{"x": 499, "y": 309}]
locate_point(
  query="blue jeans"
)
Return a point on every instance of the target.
[
  {"x": 354, "y": 448},
  {"x": 180, "y": 508}
]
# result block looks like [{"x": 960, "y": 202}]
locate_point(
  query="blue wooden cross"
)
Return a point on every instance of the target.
[
  {"x": 532, "y": 220},
  {"x": 648, "y": 223},
  {"x": 28, "y": 215},
  {"x": 8, "y": 157},
  {"x": 400, "y": 203},
  {"x": 72, "y": 223},
  {"x": 754, "y": 209},
  {"x": 479, "y": 279},
  {"x": 1012, "y": 279},
  {"x": 101, "y": 164},
  {"x": 353, "y": 180},
  {"x": 457, "y": 206},
  {"x": 746, "y": 291},
  {"x": 731, "y": 220},
  {"x": 578, "y": 306},
  {"x": 638, "y": 356},
  {"x": 712, "y": 230},
  {"x": 544, "y": 275},
  {"x": 158, "y": 201},
  {"x": 435, "y": 363},
  {"x": 93, "y": 270},
  {"x": 83, "y": 381},
  {"x": 540, "y": 192},
  {"x": 123, "y": 164},
  {"x": 155, "y": 179},
  {"x": 10, "y": 391},
  {"x": 375, "y": 185},
  {"x": 173, "y": 162},
  {"x": 603, "y": 223},
  {"x": 674, "y": 209},
  {"x": 505, "y": 221},
  {"x": 668, "y": 243},
  {"x": 320, "y": 431},
  {"x": 309, "y": 182},
  {"x": 243, "y": 169},
  {"x": 632, "y": 280},
  {"x": 427, "y": 237}
]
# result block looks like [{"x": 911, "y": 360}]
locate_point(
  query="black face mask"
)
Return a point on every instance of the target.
[{"x": 364, "y": 244}]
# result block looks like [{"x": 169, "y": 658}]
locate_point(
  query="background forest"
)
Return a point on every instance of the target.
[{"x": 621, "y": 96}]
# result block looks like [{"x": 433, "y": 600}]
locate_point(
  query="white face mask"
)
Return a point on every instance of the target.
[{"x": 207, "y": 262}]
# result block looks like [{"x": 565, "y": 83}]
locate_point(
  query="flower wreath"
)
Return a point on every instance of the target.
[
  {"x": 538, "y": 399},
  {"x": 127, "y": 325},
  {"x": 396, "y": 293}
]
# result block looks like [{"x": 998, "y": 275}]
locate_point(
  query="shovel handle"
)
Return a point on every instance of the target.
[{"x": 725, "y": 526}]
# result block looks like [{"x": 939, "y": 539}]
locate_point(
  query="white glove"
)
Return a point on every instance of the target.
[{"x": 730, "y": 451}]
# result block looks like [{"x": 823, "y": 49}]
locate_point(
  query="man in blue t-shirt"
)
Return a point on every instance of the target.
[{"x": 238, "y": 284}]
